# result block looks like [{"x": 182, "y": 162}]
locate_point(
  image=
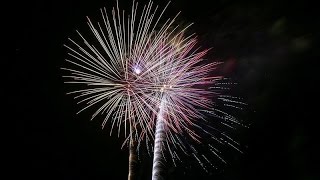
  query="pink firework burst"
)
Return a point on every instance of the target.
[{"x": 151, "y": 82}]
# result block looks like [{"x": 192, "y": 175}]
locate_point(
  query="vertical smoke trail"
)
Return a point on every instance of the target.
[
  {"x": 132, "y": 160},
  {"x": 158, "y": 141}
]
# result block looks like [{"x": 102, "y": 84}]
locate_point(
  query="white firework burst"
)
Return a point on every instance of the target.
[{"x": 152, "y": 82}]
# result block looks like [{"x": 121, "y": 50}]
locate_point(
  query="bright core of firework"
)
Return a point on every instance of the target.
[{"x": 137, "y": 69}]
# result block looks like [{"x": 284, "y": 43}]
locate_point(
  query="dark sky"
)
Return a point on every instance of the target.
[{"x": 269, "y": 48}]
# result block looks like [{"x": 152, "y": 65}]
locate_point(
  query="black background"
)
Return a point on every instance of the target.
[{"x": 269, "y": 48}]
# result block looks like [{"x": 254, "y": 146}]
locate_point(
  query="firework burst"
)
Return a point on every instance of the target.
[{"x": 151, "y": 83}]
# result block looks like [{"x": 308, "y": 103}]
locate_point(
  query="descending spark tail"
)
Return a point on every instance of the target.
[
  {"x": 132, "y": 160},
  {"x": 158, "y": 141}
]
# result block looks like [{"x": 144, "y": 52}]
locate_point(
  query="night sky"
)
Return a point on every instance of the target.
[{"x": 269, "y": 49}]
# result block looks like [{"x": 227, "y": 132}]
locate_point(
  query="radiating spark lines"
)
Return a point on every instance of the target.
[{"x": 139, "y": 66}]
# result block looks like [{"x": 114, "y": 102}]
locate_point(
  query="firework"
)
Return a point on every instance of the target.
[{"x": 151, "y": 82}]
